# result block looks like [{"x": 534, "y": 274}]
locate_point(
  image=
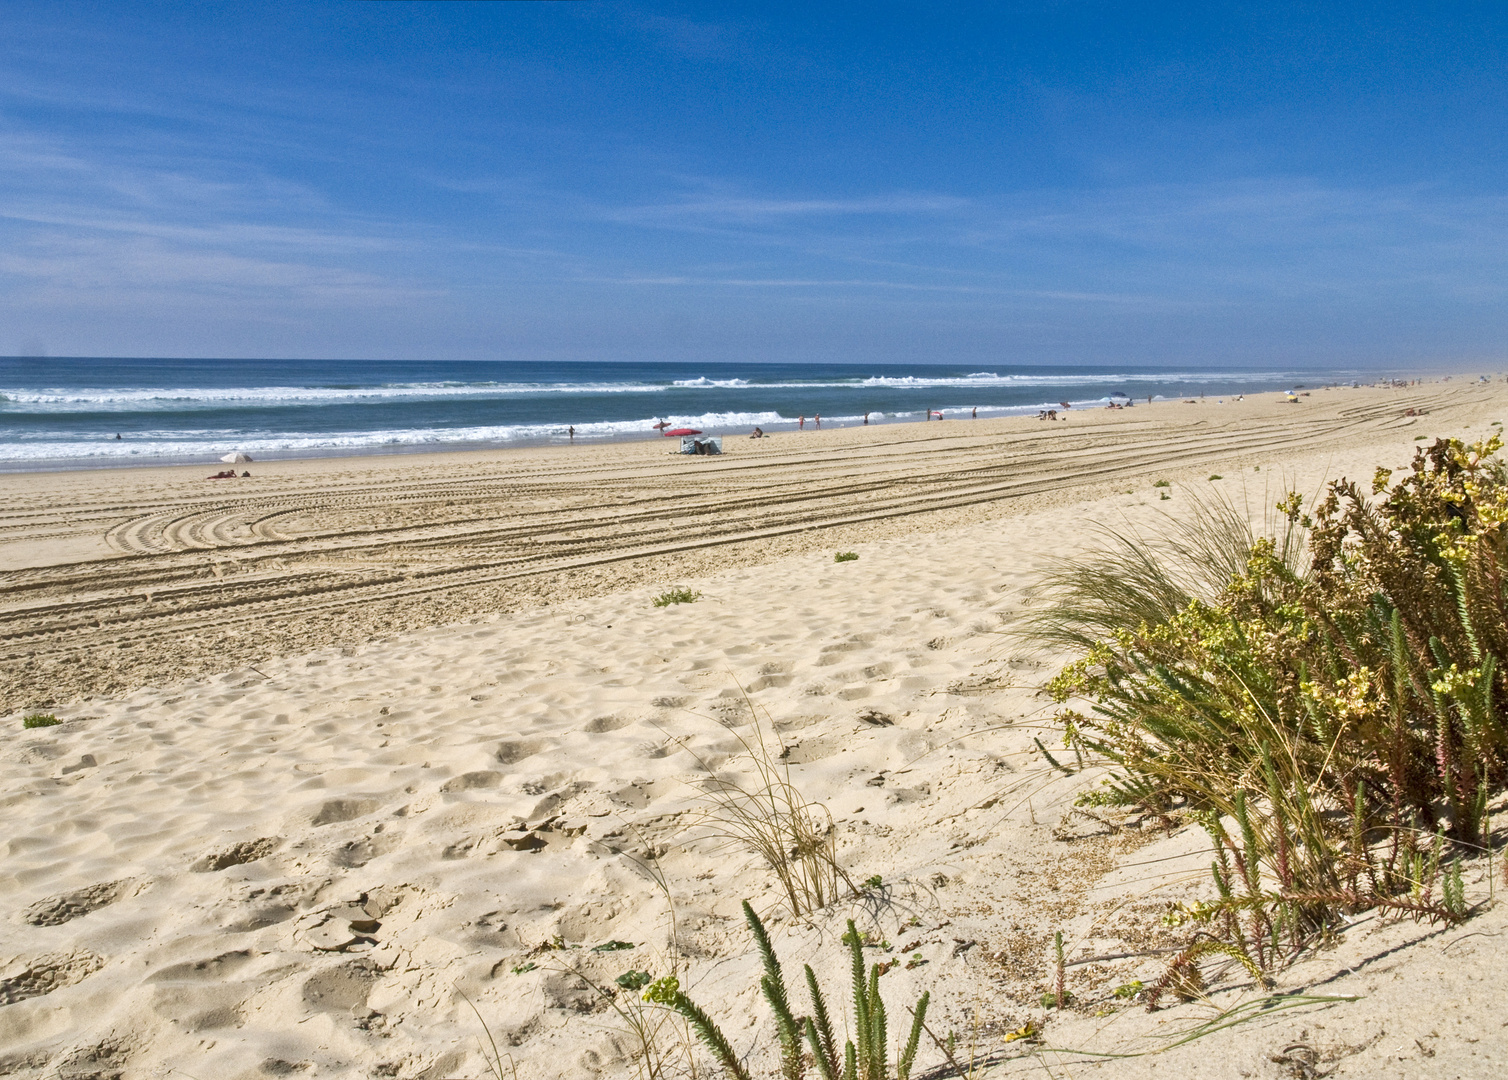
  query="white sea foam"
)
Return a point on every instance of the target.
[
  {"x": 704, "y": 383},
  {"x": 204, "y": 445},
  {"x": 984, "y": 379},
  {"x": 180, "y": 398},
  {"x": 190, "y": 445}
]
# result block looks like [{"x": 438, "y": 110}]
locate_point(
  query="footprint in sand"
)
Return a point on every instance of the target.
[
  {"x": 338, "y": 810},
  {"x": 515, "y": 750},
  {"x": 56, "y": 910},
  {"x": 236, "y": 855},
  {"x": 46, "y": 973}
]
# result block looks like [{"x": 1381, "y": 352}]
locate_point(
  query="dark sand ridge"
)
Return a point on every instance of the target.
[{"x": 116, "y": 579}]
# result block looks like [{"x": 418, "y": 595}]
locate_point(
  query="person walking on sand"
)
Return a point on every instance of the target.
[{"x": 975, "y": 414}]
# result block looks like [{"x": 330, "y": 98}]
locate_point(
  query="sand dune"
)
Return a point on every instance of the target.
[{"x": 297, "y": 867}]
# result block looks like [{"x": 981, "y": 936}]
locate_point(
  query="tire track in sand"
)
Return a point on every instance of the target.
[{"x": 201, "y": 576}]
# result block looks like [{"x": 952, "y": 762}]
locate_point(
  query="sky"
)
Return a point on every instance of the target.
[{"x": 1298, "y": 184}]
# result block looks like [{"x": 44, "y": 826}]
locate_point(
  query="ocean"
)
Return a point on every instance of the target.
[{"x": 71, "y": 412}]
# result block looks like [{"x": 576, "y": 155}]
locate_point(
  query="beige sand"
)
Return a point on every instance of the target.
[{"x": 307, "y": 817}]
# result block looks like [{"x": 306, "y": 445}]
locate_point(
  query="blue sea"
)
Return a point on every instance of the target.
[{"x": 67, "y": 412}]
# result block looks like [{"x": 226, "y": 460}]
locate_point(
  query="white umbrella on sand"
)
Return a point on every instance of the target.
[{"x": 236, "y": 458}]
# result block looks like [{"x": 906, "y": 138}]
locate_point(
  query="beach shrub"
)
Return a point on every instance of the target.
[
  {"x": 1162, "y": 483},
  {"x": 1329, "y": 704},
  {"x": 677, "y": 596},
  {"x": 37, "y": 720},
  {"x": 863, "y": 1057},
  {"x": 845, "y": 556},
  {"x": 1216, "y": 476}
]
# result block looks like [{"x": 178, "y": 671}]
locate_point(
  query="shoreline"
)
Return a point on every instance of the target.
[
  {"x": 560, "y": 439},
  {"x": 554, "y": 434}
]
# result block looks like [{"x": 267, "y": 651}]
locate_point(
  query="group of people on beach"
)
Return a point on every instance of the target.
[{"x": 931, "y": 414}]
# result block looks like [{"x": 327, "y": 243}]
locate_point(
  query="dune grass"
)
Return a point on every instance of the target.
[
  {"x": 1326, "y": 700},
  {"x": 40, "y": 720},
  {"x": 677, "y": 596},
  {"x": 772, "y": 818}
]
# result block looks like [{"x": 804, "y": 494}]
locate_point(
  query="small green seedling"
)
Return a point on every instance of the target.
[
  {"x": 1049, "y": 1000},
  {"x": 1164, "y": 497},
  {"x": 634, "y": 980},
  {"x": 874, "y": 882},
  {"x": 845, "y": 556},
  {"x": 40, "y": 720},
  {"x": 1216, "y": 476},
  {"x": 614, "y": 946},
  {"x": 677, "y": 596},
  {"x": 1420, "y": 438},
  {"x": 1162, "y": 483},
  {"x": 1128, "y": 991},
  {"x": 521, "y": 968}
]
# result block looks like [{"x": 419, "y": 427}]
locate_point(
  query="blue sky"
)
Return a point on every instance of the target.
[{"x": 1038, "y": 182}]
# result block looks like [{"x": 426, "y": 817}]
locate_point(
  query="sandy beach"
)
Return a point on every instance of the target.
[{"x": 366, "y": 761}]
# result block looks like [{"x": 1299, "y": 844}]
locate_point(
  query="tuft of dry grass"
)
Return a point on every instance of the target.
[{"x": 773, "y": 819}]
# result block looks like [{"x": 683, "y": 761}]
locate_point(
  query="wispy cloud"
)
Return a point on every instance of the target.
[
  {"x": 726, "y": 209},
  {"x": 862, "y": 284}
]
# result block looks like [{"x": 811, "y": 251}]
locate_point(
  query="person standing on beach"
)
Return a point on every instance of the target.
[
  {"x": 866, "y": 419},
  {"x": 571, "y": 433},
  {"x": 975, "y": 414},
  {"x": 801, "y": 424},
  {"x": 818, "y": 419}
]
